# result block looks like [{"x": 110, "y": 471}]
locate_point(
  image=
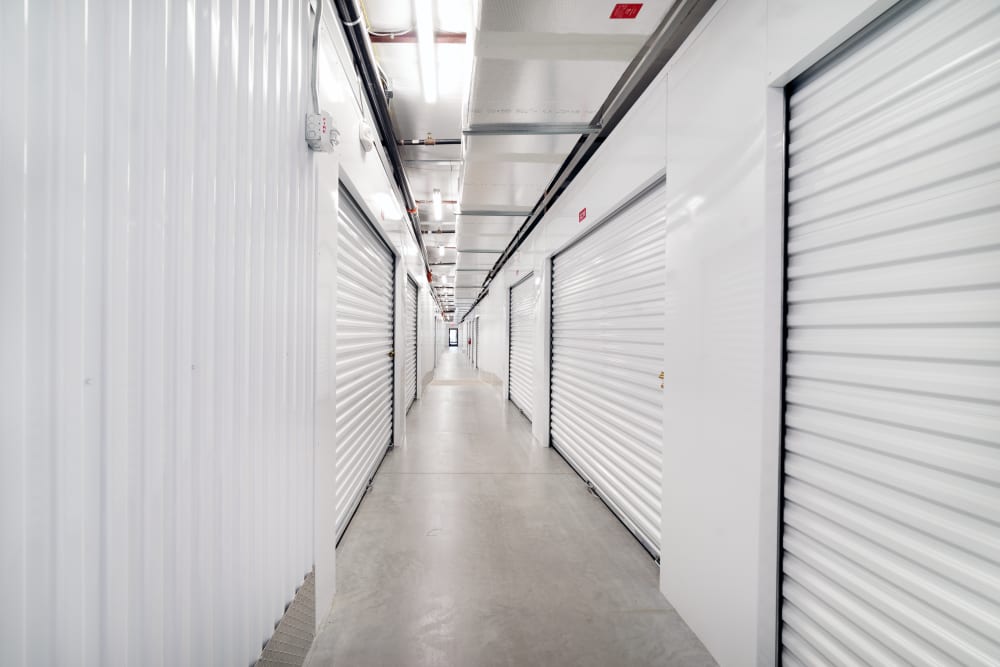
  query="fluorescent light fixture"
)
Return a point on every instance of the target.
[
  {"x": 436, "y": 198},
  {"x": 424, "y": 12},
  {"x": 388, "y": 206}
]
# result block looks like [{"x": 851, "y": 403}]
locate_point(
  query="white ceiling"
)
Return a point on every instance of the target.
[{"x": 542, "y": 62}]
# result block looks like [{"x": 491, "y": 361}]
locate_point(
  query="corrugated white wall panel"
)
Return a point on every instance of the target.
[
  {"x": 892, "y": 464},
  {"x": 156, "y": 244}
]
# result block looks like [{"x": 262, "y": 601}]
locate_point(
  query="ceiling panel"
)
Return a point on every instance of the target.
[
  {"x": 568, "y": 16},
  {"x": 490, "y": 224}
]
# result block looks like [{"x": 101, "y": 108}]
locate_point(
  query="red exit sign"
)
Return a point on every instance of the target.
[
  {"x": 583, "y": 215},
  {"x": 626, "y": 10}
]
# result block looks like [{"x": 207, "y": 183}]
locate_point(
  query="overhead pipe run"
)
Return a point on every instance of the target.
[
  {"x": 680, "y": 20},
  {"x": 364, "y": 62}
]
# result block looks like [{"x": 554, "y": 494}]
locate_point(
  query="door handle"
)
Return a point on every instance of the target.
[{"x": 392, "y": 354}]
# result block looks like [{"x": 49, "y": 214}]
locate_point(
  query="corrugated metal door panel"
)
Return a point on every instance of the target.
[
  {"x": 365, "y": 298},
  {"x": 891, "y": 546},
  {"x": 157, "y": 338},
  {"x": 523, "y": 300},
  {"x": 607, "y": 356},
  {"x": 410, "y": 343}
]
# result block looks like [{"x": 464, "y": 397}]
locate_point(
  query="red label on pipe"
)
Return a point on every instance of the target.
[
  {"x": 626, "y": 10},
  {"x": 583, "y": 214}
]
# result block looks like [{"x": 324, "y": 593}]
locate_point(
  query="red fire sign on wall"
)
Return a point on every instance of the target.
[
  {"x": 626, "y": 10},
  {"x": 583, "y": 214}
]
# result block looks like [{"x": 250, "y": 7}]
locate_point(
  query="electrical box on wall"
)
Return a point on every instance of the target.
[{"x": 321, "y": 135}]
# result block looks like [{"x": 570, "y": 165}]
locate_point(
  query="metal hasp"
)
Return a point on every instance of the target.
[{"x": 676, "y": 26}]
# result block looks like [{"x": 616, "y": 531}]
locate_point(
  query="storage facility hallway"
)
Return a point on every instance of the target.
[
  {"x": 475, "y": 546},
  {"x": 533, "y": 333}
]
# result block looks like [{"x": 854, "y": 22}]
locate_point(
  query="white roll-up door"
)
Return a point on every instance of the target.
[
  {"x": 523, "y": 297},
  {"x": 410, "y": 343},
  {"x": 891, "y": 521},
  {"x": 365, "y": 291},
  {"x": 607, "y": 355}
]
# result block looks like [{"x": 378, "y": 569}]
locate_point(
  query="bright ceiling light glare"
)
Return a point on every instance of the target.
[
  {"x": 424, "y": 12},
  {"x": 436, "y": 198}
]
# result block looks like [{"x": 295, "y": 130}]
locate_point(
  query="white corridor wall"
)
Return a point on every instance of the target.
[{"x": 156, "y": 291}]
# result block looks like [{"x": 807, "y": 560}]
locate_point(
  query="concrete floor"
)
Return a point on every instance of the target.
[{"x": 476, "y": 547}]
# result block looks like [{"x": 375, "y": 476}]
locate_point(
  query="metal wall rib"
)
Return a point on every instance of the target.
[{"x": 892, "y": 445}]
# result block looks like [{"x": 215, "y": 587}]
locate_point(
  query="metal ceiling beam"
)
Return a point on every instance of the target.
[
  {"x": 489, "y": 129},
  {"x": 478, "y": 251},
  {"x": 677, "y": 25}
]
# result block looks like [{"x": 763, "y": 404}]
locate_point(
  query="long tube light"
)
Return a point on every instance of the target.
[
  {"x": 436, "y": 199},
  {"x": 424, "y": 12}
]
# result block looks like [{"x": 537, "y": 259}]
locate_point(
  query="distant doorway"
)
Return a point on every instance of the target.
[{"x": 453, "y": 337}]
